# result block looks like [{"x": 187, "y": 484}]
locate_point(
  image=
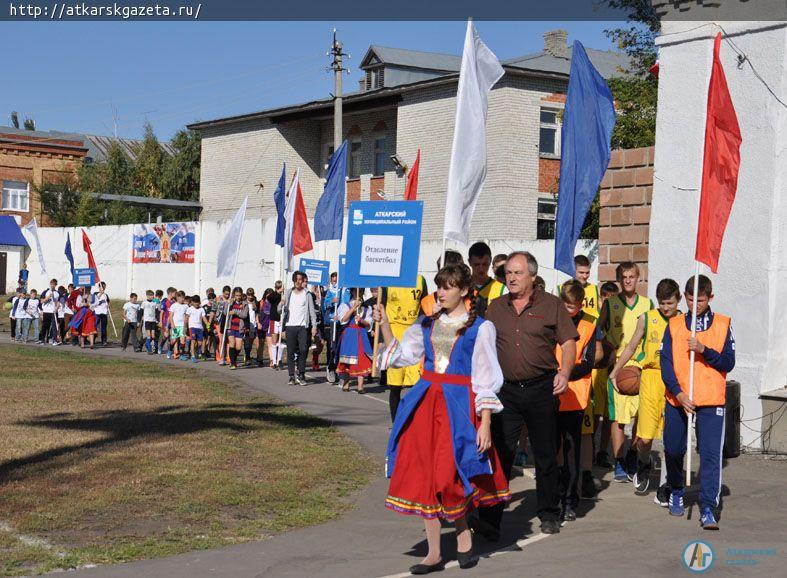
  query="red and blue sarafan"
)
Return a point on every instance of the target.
[{"x": 432, "y": 459}]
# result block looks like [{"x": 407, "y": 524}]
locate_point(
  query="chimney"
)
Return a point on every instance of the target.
[
  {"x": 362, "y": 84},
  {"x": 555, "y": 43}
]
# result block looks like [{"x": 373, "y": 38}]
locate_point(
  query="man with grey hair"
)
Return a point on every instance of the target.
[{"x": 530, "y": 325}]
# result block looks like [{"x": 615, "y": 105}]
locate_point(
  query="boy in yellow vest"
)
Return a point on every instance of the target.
[
  {"x": 576, "y": 399},
  {"x": 618, "y": 321},
  {"x": 485, "y": 288},
  {"x": 714, "y": 348},
  {"x": 645, "y": 348},
  {"x": 403, "y": 306}
]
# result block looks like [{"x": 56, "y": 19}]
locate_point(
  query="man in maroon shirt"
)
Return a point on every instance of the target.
[{"x": 530, "y": 324}]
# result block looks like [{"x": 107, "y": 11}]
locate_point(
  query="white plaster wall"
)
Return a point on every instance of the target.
[
  {"x": 750, "y": 284},
  {"x": 259, "y": 262}
]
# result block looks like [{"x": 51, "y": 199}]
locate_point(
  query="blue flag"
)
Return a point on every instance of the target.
[
  {"x": 279, "y": 198},
  {"x": 69, "y": 254},
  {"x": 329, "y": 217},
  {"x": 588, "y": 120}
]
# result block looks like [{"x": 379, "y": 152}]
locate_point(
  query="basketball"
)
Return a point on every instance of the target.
[{"x": 628, "y": 380}]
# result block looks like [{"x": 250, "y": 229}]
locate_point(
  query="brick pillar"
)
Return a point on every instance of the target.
[{"x": 624, "y": 217}]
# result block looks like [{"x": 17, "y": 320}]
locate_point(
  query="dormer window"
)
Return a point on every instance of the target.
[{"x": 374, "y": 78}]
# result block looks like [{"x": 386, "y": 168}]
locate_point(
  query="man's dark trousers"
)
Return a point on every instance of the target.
[
  {"x": 530, "y": 403},
  {"x": 297, "y": 340}
]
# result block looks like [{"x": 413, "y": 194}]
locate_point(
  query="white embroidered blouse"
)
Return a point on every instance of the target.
[{"x": 486, "y": 376}]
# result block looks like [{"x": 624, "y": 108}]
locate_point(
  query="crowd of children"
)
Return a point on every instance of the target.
[{"x": 617, "y": 328}]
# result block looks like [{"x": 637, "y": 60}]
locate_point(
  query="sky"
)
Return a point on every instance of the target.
[{"x": 90, "y": 77}]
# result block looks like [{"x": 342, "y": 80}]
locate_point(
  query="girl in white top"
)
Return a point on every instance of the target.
[{"x": 440, "y": 457}]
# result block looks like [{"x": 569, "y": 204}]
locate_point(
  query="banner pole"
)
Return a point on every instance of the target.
[
  {"x": 692, "y": 356},
  {"x": 376, "y": 334},
  {"x": 442, "y": 255},
  {"x": 112, "y": 321}
]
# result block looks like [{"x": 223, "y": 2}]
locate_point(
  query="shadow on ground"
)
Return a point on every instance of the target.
[{"x": 132, "y": 427}]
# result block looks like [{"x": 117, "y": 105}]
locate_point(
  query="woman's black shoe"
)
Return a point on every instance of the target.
[
  {"x": 420, "y": 569},
  {"x": 467, "y": 559}
]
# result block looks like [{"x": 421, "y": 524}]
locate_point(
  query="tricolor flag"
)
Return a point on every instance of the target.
[
  {"x": 721, "y": 161},
  {"x": 466, "y": 174},
  {"x": 89, "y": 252},
  {"x": 297, "y": 238},
  {"x": 280, "y": 201}
]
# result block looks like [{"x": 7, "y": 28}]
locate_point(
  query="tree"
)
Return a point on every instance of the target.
[
  {"x": 182, "y": 169},
  {"x": 59, "y": 201},
  {"x": 30, "y": 124},
  {"x": 14, "y": 119},
  {"x": 149, "y": 165}
]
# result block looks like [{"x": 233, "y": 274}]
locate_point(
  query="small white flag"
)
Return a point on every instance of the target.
[
  {"x": 32, "y": 228},
  {"x": 227, "y": 258},
  {"x": 479, "y": 72}
]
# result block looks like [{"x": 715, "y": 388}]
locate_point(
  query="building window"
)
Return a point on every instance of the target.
[
  {"x": 16, "y": 196},
  {"x": 326, "y": 156},
  {"x": 354, "y": 166},
  {"x": 379, "y": 156},
  {"x": 549, "y": 135},
  {"x": 545, "y": 227},
  {"x": 375, "y": 78}
]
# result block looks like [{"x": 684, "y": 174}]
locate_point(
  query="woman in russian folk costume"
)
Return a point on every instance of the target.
[{"x": 440, "y": 457}]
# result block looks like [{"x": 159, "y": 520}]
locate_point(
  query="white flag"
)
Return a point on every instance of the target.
[
  {"x": 479, "y": 73},
  {"x": 230, "y": 245},
  {"x": 32, "y": 228}
]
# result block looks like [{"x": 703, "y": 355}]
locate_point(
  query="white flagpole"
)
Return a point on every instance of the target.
[{"x": 692, "y": 356}]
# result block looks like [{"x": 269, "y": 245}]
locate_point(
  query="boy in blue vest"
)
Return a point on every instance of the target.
[{"x": 714, "y": 349}]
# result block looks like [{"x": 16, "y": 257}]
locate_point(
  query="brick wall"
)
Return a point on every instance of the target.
[
  {"x": 36, "y": 163},
  {"x": 624, "y": 217}
]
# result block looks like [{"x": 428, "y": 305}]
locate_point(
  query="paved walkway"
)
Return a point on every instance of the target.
[{"x": 618, "y": 534}]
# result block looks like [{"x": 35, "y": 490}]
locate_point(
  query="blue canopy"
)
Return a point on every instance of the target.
[{"x": 10, "y": 233}]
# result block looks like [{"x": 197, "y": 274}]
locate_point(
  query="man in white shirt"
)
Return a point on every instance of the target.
[
  {"x": 100, "y": 305},
  {"x": 49, "y": 299},
  {"x": 299, "y": 315}
]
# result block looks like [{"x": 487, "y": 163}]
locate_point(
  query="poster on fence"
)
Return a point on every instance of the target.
[{"x": 164, "y": 243}]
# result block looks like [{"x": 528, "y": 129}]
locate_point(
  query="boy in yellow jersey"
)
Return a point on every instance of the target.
[
  {"x": 485, "y": 288},
  {"x": 403, "y": 306},
  {"x": 576, "y": 399},
  {"x": 604, "y": 363},
  {"x": 618, "y": 321},
  {"x": 591, "y": 302},
  {"x": 645, "y": 348}
]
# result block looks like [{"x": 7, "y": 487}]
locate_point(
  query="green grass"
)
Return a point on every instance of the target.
[{"x": 110, "y": 461}]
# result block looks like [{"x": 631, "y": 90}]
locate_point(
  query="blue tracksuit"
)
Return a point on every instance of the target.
[{"x": 709, "y": 420}]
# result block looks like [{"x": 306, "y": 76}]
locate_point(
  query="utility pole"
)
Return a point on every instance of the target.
[{"x": 338, "y": 70}]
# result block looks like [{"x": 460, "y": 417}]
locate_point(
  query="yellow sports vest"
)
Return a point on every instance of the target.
[
  {"x": 491, "y": 290},
  {"x": 403, "y": 304},
  {"x": 622, "y": 319},
  {"x": 578, "y": 393},
  {"x": 591, "y": 303},
  {"x": 649, "y": 354},
  {"x": 710, "y": 385}
]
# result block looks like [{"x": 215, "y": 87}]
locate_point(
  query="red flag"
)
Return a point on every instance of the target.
[
  {"x": 411, "y": 188},
  {"x": 90, "y": 261},
  {"x": 720, "y": 166},
  {"x": 301, "y": 237}
]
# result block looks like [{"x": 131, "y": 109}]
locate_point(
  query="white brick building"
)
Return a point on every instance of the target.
[{"x": 406, "y": 100}]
